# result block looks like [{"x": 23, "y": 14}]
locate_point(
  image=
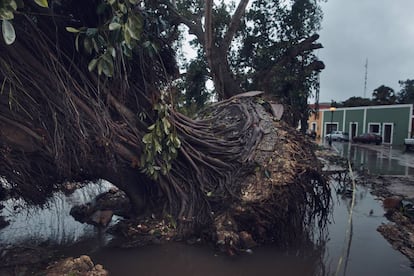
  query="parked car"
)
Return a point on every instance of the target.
[
  {"x": 368, "y": 138},
  {"x": 338, "y": 136},
  {"x": 408, "y": 143}
]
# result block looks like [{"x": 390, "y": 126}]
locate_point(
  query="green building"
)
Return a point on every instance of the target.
[{"x": 392, "y": 122}]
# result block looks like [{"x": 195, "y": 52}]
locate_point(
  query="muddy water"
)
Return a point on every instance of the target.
[
  {"x": 367, "y": 253},
  {"x": 364, "y": 253}
]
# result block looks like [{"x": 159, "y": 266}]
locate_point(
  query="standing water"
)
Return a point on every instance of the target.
[{"x": 357, "y": 247}]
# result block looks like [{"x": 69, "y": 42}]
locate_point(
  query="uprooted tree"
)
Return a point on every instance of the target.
[{"x": 86, "y": 94}]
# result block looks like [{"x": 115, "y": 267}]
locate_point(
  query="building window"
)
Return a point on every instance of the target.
[
  {"x": 374, "y": 128},
  {"x": 330, "y": 127},
  {"x": 313, "y": 126}
]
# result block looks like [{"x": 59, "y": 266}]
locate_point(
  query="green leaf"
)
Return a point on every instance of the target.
[
  {"x": 9, "y": 35},
  {"x": 126, "y": 50},
  {"x": 92, "y": 64},
  {"x": 176, "y": 142},
  {"x": 13, "y": 5},
  {"x": 95, "y": 45},
  {"x": 87, "y": 44},
  {"x": 6, "y": 15},
  {"x": 112, "y": 51},
  {"x": 108, "y": 67},
  {"x": 127, "y": 37},
  {"x": 107, "y": 57},
  {"x": 134, "y": 26},
  {"x": 114, "y": 26},
  {"x": 122, "y": 8},
  {"x": 91, "y": 31},
  {"x": 147, "y": 138},
  {"x": 77, "y": 43},
  {"x": 166, "y": 125},
  {"x": 100, "y": 66},
  {"x": 157, "y": 146},
  {"x": 42, "y": 3},
  {"x": 72, "y": 30}
]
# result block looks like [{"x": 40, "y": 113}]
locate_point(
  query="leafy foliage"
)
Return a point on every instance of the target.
[
  {"x": 356, "y": 101},
  {"x": 195, "y": 91},
  {"x": 383, "y": 95},
  {"x": 268, "y": 50},
  {"x": 161, "y": 145},
  {"x": 120, "y": 32},
  {"x": 406, "y": 95},
  {"x": 96, "y": 66},
  {"x": 7, "y": 10}
]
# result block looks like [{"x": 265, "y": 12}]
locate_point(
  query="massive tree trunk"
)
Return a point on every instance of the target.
[{"x": 224, "y": 80}]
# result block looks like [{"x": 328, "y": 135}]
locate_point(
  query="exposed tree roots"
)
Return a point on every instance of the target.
[{"x": 242, "y": 178}]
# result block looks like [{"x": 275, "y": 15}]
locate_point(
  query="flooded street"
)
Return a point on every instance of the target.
[{"x": 366, "y": 252}]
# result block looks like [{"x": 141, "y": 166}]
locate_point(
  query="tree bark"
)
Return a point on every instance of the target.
[{"x": 225, "y": 83}]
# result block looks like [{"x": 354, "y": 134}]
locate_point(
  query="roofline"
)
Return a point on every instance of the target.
[{"x": 374, "y": 106}]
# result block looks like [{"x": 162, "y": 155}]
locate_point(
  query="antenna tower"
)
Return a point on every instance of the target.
[{"x": 366, "y": 77}]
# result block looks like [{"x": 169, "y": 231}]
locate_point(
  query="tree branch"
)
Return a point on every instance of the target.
[
  {"x": 194, "y": 27},
  {"x": 234, "y": 24},
  {"x": 208, "y": 32}
]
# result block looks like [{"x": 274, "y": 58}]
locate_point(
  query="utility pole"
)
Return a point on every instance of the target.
[{"x": 366, "y": 78}]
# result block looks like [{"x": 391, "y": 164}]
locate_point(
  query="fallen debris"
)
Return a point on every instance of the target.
[{"x": 82, "y": 266}]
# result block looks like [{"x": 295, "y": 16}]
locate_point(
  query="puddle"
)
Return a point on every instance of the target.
[
  {"x": 52, "y": 224},
  {"x": 369, "y": 253},
  {"x": 381, "y": 159}
]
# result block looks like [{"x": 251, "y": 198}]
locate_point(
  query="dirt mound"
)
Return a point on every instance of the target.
[{"x": 82, "y": 266}]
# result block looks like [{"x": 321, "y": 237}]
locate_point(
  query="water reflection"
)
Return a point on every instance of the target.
[
  {"x": 366, "y": 252},
  {"x": 382, "y": 159},
  {"x": 51, "y": 224},
  {"x": 181, "y": 259}
]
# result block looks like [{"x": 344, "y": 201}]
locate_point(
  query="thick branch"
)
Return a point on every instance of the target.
[
  {"x": 194, "y": 27},
  {"x": 234, "y": 24},
  {"x": 303, "y": 46},
  {"x": 208, "y": 31}
]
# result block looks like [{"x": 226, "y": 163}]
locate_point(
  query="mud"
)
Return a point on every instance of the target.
[{"x": 399, "y": 232}]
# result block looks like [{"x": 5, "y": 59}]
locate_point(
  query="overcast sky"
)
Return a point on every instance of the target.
[{"x": 381, "y": 31}]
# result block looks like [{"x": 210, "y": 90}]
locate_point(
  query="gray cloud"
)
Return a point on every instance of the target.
[{"x": 353, "y": 30}]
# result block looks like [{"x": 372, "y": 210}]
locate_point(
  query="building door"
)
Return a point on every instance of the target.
[
  {"x": 387, "y": 133},
  {"x": 353, "y": 130}
]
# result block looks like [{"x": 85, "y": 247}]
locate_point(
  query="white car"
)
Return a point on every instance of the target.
[
  {"x": 337, "y": 136},
  {"x": 409, "y": 143}
]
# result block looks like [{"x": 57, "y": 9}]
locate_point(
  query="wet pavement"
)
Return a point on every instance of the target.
[
  {"x": 378, "y": 159},
  {"x": 383, "y": 160},
  {"x": 355, "y": 245}
]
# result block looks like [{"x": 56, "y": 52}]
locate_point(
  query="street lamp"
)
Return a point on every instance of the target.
[{"x": 332, "y": 109}]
